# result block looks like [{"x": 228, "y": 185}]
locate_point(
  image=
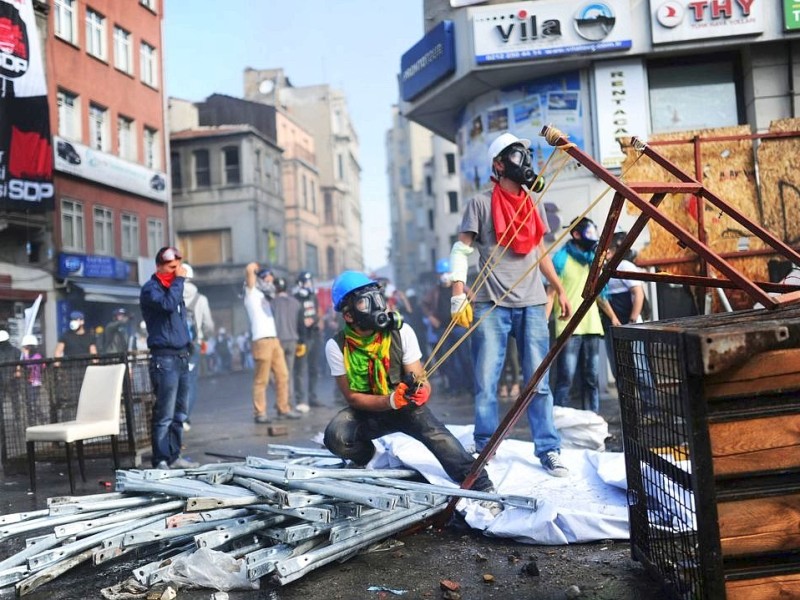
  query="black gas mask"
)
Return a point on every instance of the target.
[
  {"x": 368, "y": 307},
  {"x": 518, "y": 167},
  {"x": 589, "y": 238}
]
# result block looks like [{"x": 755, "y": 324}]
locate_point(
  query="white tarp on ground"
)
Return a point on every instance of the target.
[{"x": 587, "y": 506}]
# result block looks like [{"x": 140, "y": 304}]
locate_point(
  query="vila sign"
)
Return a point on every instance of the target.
[
  {"x": 545, "y": 29},
  {"x": 679, "y": 20},
  {"x": 791, "y": 15}
]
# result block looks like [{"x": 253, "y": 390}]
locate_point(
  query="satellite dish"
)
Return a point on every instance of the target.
[{"x": 266, "y": 86}]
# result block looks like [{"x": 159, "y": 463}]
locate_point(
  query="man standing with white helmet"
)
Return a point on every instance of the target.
[{"x": 512, "y": 300}]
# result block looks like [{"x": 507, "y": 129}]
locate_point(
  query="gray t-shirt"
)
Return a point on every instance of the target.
[{"x": 528, "y": 292}]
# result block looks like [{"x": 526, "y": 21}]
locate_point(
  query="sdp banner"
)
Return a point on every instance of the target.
[{"x": 26, "y": 155}]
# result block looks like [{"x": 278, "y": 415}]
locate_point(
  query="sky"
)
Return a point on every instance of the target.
[{"x": 353, "y": 45}]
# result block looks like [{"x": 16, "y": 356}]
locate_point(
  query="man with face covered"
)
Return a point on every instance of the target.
[
  {"x": 77, "y": 341},
  {"x": 581, "y": 353},
  {"x": 375, "y": 360},
  {"x": 507, "y": 229},
  {"x": 259, "y": 288}
]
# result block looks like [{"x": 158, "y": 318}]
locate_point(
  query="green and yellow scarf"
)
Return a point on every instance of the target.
[{"x": 366, "y": 361}]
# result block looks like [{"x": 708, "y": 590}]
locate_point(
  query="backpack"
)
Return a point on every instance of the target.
[
  {"x": 114, "y": 339},
  {"x": 395, "y": 355}
]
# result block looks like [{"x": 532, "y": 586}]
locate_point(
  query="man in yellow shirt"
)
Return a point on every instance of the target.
[{"x": 581, "y": 354}]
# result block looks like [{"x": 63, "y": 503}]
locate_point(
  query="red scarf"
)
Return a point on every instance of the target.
[
  {"x": 520, "y": 229},
  {"x": 166, "y": 279}
]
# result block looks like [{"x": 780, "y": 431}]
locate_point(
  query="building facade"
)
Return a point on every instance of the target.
[
  {"x": 111, "y": 197},
  {"x": 322, "y": 111},
  {"x": 228, "y": 203},
  {"x": 597, "y": 71}
]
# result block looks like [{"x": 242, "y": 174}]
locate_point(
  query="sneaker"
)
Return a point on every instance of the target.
[
  {"x": 292, "y": 414},
  {"x": 183, "y": 463},
  {"x": 163, "y": 466},
  {"x": 303, "y": 408},
  {"x": 262, "y": 419},
  {"x": 551, "y": 462},
  {"x": 187, "y": 426}
]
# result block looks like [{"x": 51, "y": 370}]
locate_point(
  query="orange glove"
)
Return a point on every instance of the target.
[
  {"x": 300, "y": 351},
  {"x": 400, "y": 397}
]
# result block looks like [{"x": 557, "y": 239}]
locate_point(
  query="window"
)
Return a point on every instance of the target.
[
  {"x": 211, "y": 247},
  {"x": 150, "y": 4},
  {"x": 340, "y": 166},
  {"x": 202, "y": 172},
  {"x": 232, "y": 172},
  {"x": 328, "y": 201},
  {"x": 451, "y": 163},
  {"x": 429, "y": 185},
  {"x": 311, "y": 258},
  {"x": 276, "y": 178},
  {"x": 148, "y": 64},
  {"x": 676, "y": 90},
  {"x": 96, "y": 34},
  {"x": 330, "y": 253},
  {"x": 98, "y": 127},
  {"x": 72, "y": 226},
  {"x": 258, "y": 167},
  {"x": 123, "y": 52},
  {"x": 152, "y": 156},
  {"x": 175, "y": 164},
  {"x": 69, "y": 115},
  {"x": 155, "y": 236},
  {"x": 66, "y": 24},
  {"x": 305, "y": 191},
  {"x": 103, "y": 231},
  {"x": 314, "y": 197},
  {"x": 274, "y": 254},
  {"x": 130, "y": 235},
  {"x": 452, "y": 201},
  {"x": 126, "y": 138}
]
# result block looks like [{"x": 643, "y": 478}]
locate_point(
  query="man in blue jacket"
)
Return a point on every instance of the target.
[{"x": 164, "y": 312}]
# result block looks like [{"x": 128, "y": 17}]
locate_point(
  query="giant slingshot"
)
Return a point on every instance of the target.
[{"x": 600, "y": 271}]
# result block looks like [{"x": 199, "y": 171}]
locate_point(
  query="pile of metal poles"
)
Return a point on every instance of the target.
[{"x": 281, "y": 517}]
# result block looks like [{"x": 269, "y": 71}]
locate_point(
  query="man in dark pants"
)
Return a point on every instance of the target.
[
  {"x": 164, "y": 312},
  {"x": 372, "y": 359},
  {"x": 306, "y": 367}
]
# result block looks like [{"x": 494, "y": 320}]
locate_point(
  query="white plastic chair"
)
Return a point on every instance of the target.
[{"x": 98, "y": 416}]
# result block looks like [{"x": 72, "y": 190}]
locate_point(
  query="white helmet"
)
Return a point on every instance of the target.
[
  {"x": 29, "y": 340},
  {"x": 505, "y": 140},
  {"x": 189, "y": 271}
]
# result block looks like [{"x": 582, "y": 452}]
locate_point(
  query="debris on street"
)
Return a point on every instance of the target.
[{"x": 223, "y": 526}]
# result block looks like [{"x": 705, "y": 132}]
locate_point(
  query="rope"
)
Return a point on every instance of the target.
[{"x": 552, "y": 136}]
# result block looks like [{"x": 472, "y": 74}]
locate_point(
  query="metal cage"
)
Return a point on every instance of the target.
[{"x": 676, "y": 482}]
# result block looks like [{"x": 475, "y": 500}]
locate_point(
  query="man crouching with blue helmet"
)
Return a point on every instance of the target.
[{"x": 375, "y": 359}]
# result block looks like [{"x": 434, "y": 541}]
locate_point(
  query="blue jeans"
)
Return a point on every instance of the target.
[
  {"x": 529, "y": 328},
  {"x": 580, "y": 355},
  {"x": 458, "y": 366},
  {"x": 169, "y": 375},
  {"x": 350, "y": 434}
]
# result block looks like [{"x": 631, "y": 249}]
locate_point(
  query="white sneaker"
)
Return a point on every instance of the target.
[
  {"x": 303, "y": 408},
  {"x": 162, "y": 466},
  {"x": 182, "y": 463},
  {"x": 186, "y": 426}
]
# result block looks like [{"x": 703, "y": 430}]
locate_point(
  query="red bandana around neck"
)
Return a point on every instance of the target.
[
  {"x": 520, "y": 229},
  {"x": 166, "y": 279}
]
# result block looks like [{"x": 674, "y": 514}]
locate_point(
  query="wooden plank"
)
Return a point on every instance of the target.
[
  {"x": 761, "y": 444},
  {"x": 764, "y": 588},
  {"x": 760, "y": 525},
  {"x": 776, "y": 370}
]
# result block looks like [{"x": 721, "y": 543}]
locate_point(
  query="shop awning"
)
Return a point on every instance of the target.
[{"x": 103, "y": 292}]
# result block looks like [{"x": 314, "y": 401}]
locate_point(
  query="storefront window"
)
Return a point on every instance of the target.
[{"x": 693, "y": 95}]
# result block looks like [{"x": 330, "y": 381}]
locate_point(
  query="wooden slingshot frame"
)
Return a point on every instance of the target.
[{"x": 600, "y": 271}]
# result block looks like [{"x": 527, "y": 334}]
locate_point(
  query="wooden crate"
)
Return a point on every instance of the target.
[{"x": 721, "y": 517}]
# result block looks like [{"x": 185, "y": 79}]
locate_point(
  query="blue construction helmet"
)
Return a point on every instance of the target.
[
  {"x": 443, "y": 265},
  {"x": 346, "y": 283}
]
